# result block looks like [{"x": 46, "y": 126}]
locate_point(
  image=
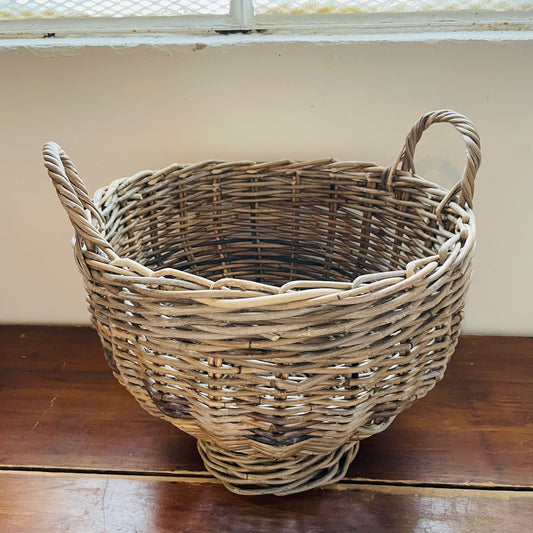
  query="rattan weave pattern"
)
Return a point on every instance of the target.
[{"x": 279, "y": 312}]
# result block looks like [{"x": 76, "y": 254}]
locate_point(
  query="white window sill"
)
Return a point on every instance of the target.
[
  {"x": 58, "y": 34},
  {"x": 198, "y": 43}
]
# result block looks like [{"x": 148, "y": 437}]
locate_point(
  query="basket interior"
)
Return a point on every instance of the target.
[{"x": 273, "y": 226}]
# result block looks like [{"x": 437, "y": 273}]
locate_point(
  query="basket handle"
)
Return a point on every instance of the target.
[
  {"x": 465, "y": 186},
  {"x": 75, "y": 198}
]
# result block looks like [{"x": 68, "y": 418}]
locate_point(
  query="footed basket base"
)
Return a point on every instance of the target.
[{"x": 246, "y": 475}]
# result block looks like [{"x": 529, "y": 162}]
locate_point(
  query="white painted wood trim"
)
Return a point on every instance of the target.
[
  {"x": 468, "y": 20},
  {"x": 243, "y": 12},
  {"x": 242, "y": 20}
]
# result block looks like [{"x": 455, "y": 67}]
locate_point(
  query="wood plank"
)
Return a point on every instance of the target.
[
  {"x": 474, "y": 427},
  {"x": 36, "y": 503},
  {"x": 60, "y": 407}
]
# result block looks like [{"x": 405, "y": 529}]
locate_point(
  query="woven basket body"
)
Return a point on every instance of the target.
[{"x": 279, "y": 312}]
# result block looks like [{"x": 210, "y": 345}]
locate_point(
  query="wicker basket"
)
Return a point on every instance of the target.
[{"x": 279, "y": 312}]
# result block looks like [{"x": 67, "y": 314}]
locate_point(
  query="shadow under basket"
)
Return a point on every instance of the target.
[{"x": 279, "y": 312}]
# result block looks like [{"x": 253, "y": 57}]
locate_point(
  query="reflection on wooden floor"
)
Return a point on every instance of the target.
[{"x": 78, "y": 454}]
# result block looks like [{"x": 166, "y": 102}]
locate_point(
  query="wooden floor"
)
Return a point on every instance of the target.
[{"x": 77, "y": 453}]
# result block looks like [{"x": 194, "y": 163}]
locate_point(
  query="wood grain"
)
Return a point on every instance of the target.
[
  {"x": 475, "y": 427},
  {"x": 103, "y": 504},
  {"x": 61, "y": 408}
]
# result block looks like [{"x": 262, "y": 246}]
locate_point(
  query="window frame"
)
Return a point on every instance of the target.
[{"x": 241, "y": 19}]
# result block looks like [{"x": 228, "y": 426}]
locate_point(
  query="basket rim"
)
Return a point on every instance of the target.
[{"x": 228, "y": 292}]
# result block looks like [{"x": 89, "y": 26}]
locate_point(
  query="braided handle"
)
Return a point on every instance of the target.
[
  {"x": 73, "y": 194},
  {"x": 465, "y": 186}
]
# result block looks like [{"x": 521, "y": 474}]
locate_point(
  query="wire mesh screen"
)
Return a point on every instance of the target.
[
  {"x": 301, "y": 7},
  {"x": 20, "y": 9},
  {"x": 17, "y": 9}
]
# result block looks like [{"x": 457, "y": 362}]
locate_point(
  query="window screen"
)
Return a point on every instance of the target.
[
  {"x": 233, "y": 15},
  {"x": 308, "y": 7},
  {"x": 17, "y": 9}
]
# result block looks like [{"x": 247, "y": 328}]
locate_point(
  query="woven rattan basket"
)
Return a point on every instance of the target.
[{"x": 279, "y": 312}]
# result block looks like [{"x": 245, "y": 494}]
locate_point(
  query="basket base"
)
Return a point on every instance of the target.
[{"x": 252, "y": 476}]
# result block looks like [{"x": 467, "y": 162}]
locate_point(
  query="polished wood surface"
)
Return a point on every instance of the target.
[
  {"x": 75, "y": 450},
  {"x": 474, "y": 428},
  {"x": 62, "y": 408},
  {"x": 125, "y": 505}
]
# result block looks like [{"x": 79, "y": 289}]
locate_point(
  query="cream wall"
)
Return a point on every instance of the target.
[{"x": 120, "y": 111}]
